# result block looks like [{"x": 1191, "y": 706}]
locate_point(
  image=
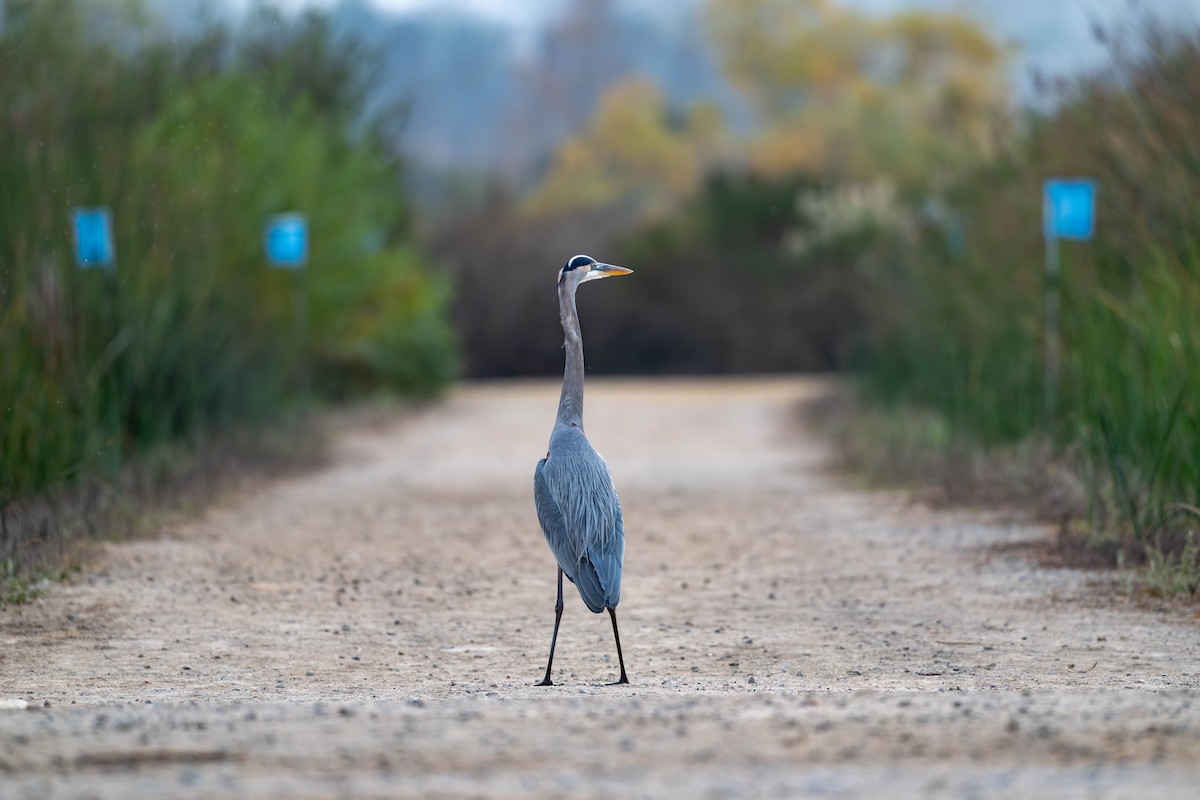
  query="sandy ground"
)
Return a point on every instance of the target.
[{"x": 376, "y": 628}]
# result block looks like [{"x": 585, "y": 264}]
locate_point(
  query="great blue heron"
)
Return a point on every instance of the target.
[{"x": 572, "y": 487}]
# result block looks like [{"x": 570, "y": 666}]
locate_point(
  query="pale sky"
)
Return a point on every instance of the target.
[
  {"x": 1052, "y": 35},
  {"x": 518, "y": 13}
]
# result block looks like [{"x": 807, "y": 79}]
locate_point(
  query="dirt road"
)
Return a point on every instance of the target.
[{"x": 376, "y": 628}]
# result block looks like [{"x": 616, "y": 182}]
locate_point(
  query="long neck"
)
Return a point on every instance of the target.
[{"x": 570, "y": 403}]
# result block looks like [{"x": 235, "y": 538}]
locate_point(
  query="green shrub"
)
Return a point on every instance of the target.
[
  {"x": 193, "y": 142},
  {"x": 970, "y": 339}
]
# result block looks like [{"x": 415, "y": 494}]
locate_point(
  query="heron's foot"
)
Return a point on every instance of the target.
[
  {"x": 545, "y": 682},
  {"x": 624, "y": 679}
]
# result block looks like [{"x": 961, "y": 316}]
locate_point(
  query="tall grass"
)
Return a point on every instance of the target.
[
  {"x": 970, "y": 337},
  {"x": 193, "y": 142}
]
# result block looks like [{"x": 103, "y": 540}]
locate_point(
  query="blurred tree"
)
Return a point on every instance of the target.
[
  {"x": 580, "y": 58},
  {"x": 722, "y": 288},
  {"x": 503, "y": 263},
  {"x": 848, "y": 96},
  {"x": 192, "y": 140},
  {"x": 302, "y": 60},
  {"x": 580, "y": 54},
  {"x": 966, "y": 333},
  {"x": 634, "y": 153}
]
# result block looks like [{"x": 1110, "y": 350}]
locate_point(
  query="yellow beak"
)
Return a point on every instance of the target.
[{"x": 610, "y": 270}]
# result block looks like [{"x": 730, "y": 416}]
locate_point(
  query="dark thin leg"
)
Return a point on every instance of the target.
[
  {"x": 554, "y": 638},
  {"x": 612, "y": 612}
]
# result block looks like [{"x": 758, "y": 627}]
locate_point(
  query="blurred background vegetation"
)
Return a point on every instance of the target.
[
  {"x": 193, "y": 141},
  {"x": 806, "y": 185}
]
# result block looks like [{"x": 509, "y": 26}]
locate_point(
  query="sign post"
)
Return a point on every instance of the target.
[
  {"x": 1068, "y": 212},
  {"x": 93, "y": 231},
  {"x": 286, "y": 242},
  {"x": 95, "y": 249}
]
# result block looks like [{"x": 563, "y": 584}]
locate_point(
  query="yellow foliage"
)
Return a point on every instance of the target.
[
  {"x": 836, "y": 93},
  {"x": 630, "y": 153},
  {"x": 852, "y": 96}
]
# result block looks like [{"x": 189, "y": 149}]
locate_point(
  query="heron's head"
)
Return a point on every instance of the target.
[{"x": 585, "y": 268}]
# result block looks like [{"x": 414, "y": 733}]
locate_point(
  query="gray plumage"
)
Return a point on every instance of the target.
[
  {"x": 573, "y": 490},
  {"x": 581, "y": 516}
]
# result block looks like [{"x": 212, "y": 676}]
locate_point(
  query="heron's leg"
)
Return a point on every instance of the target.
[
  {"x": 612, "y": 612},
  {"x": 558, "y": 607}
]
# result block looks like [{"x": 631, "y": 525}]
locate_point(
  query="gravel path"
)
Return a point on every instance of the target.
[{"x": 376, "y": 628}]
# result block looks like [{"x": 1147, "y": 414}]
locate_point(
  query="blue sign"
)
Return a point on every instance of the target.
[
  {"x": 93, "y": 237},
  {"x": 1068, "y": 208},
  {"x": 287, "y": 241}
]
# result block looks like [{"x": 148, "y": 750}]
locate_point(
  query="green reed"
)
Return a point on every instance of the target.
[
  {"x": 193, "y": 143},
  {"x": 969, "y": 340}
]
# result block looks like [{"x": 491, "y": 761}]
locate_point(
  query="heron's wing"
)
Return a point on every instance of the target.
[
  {"x": 607, "y": 559},
  {"x": 554, "y": 527},
  {"x": 583, "y": 522}
]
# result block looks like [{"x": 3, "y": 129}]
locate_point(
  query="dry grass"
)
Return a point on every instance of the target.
[
  {"x": 916, "y": 449},
  {"x": 45, "y": 536}
]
